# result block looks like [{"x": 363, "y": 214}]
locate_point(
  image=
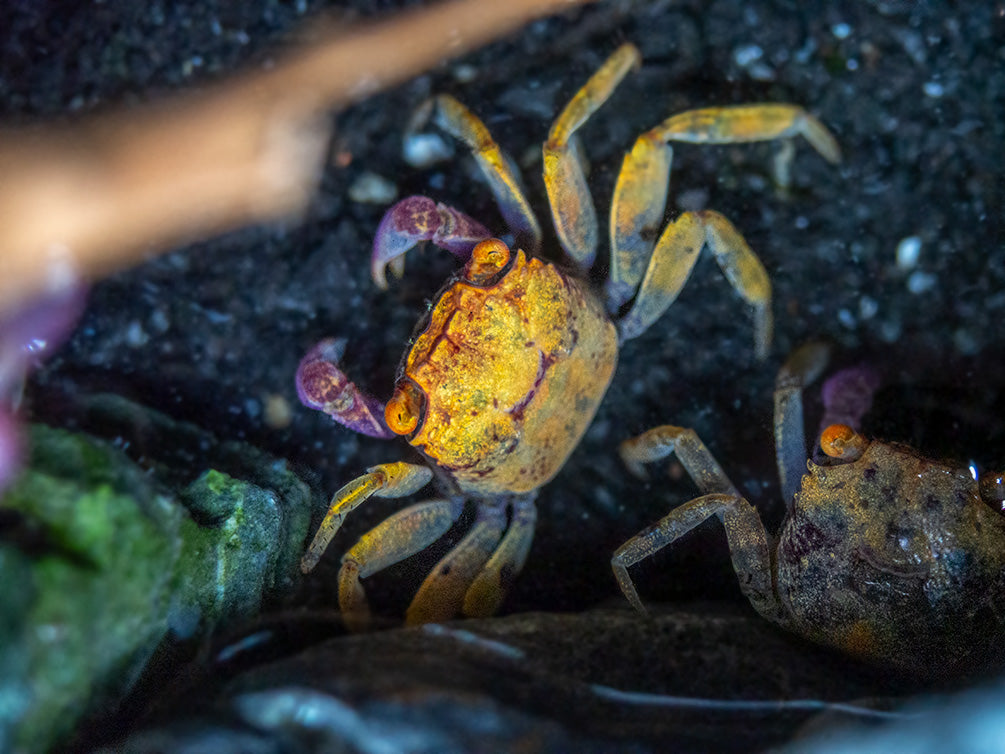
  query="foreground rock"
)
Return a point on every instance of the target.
[
  {"x": 599, "y": 681},
  {"x": 105, "y": 567}
]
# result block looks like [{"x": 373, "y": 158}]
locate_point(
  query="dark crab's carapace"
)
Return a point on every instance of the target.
[{"x": 885, "y": 554}]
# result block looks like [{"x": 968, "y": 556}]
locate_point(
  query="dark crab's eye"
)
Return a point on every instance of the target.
[
  {"x": 992, "y": 487},
  {"x": 843, "y": 442}
]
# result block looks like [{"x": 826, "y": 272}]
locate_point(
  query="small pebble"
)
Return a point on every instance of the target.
[
  {"x": 908, "y": 251},
  {"x": 425, "y": 149},
  {"x": 277, "y": 412},
  {"x": 966, "y": 342},
  {"x": 747, "y": 54},
  {"x": 692, "y": 200},
  {"x": 159, "y": 321},
  {"x": 841, "y": 31},
  {"x": 933, "y": 89},
  {"x": 465, "y": 73},
  {"x": 252, "y": 407},
  {"x": 136, "y": 336},
  {"x": 867, "y": 307},
  {"x": 919, "y": 282},
  {"x": 370, "y": 188},
  {"x": 890, "y": 331}
]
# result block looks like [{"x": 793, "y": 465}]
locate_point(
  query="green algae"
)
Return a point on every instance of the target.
[{"x": 100, "y": 565}]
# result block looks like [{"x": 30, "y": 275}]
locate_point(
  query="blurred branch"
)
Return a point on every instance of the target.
[{"x": 86, "y": 198}]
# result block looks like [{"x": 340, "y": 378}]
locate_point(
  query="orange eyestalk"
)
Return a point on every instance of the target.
[
  {"x": 841, "y": 441},
  {"x": 488, "y": 258},
  {"x": 403, "y": 410}
]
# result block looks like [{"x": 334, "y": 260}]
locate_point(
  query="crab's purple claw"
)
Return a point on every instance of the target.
[
  {"x": 27, "y": 337},
  {"x": 416, "y": 219},
  {"x": 847, "y": 397},
  {"x": 323, "y": 386},
  {"x": 31, "y": 334}
]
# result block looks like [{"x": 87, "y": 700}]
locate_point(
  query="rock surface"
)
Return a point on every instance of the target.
[
  {"x": 601, "y": 680},
  {"x": 106, "y": 572}
]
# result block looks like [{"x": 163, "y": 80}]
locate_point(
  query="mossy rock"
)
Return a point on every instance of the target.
[{"x": 100, "y": 565}]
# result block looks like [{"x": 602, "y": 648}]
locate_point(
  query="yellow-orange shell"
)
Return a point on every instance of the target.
[{"x": 512, "y": 374}]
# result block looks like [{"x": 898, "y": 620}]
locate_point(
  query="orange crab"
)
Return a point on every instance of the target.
[
  {"x": 507, "y": 372},
  {"x": 884, "y": 554}
]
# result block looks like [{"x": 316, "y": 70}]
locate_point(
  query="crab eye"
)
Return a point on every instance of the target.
[
  {"x": 487, "y": 259},
  {"x": 841, "y": 441},
  {"x": 403, "y": 410}
]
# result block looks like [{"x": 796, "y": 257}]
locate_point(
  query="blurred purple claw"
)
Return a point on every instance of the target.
[
  {"x": 416, "y": 219},
  {"x": 323, "y": 386},
  {"x": 10, "y": 448},
  {"x": 31, "y": 334},
  {"x": 847, "y": 396},
  {"x": 27, "y": 337}
]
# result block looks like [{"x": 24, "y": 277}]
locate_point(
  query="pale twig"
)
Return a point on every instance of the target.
[{"x": 80, "y": 200}]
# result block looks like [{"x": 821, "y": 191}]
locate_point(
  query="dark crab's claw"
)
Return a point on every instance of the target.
[
  {"x": 847, "y": 396},
  {"x": 323, "y": 386},
  {"x": 416, "y": 219}
]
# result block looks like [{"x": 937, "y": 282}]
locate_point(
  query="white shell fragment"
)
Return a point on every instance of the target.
[
  {"x": 370, "y": 188},
  {"x": 908, "y": 251}
]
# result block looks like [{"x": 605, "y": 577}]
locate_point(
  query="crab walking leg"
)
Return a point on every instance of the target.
[
  {"x": 572, "y": 206},
  {"x": 673, "y": 260},
  {"x": 637, "y": 205},
  {"x": 442, "y": 593},
  {"x": 801, "y": 368},
  {"x": 457, "y": 120},
  {"x": 640, "y": 192},
  {"x": 748, "y": 545},
  {"x": 746, "y": 123},
  {"x": 660, "y": 442},
  {"x": 385, "y": 480},
  {"x": 486, "y": 593},
  {"x": 396, "y": 538},
  {"x": 744, "y": 272}
]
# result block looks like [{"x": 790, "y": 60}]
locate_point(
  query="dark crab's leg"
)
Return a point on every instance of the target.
[
  {"x": 385, "y": 480},
  {"x": 402, "y": 535},
  {"x": 564, "y": 178},
  {"x": 803, "y": 366},
  {"x": 662, "y": 442},
  {"x": 748, "y": 548},
  {"x": 748, "y": 541},
  {"x": 457, "y": 120},
  {"x": 486, "y": 593},
  {"x": 416, "y": 219},
  {"x": 640, "y": 196},
  {"x": 441, "y": 595},
  {"x": 322, "y": 385}
]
